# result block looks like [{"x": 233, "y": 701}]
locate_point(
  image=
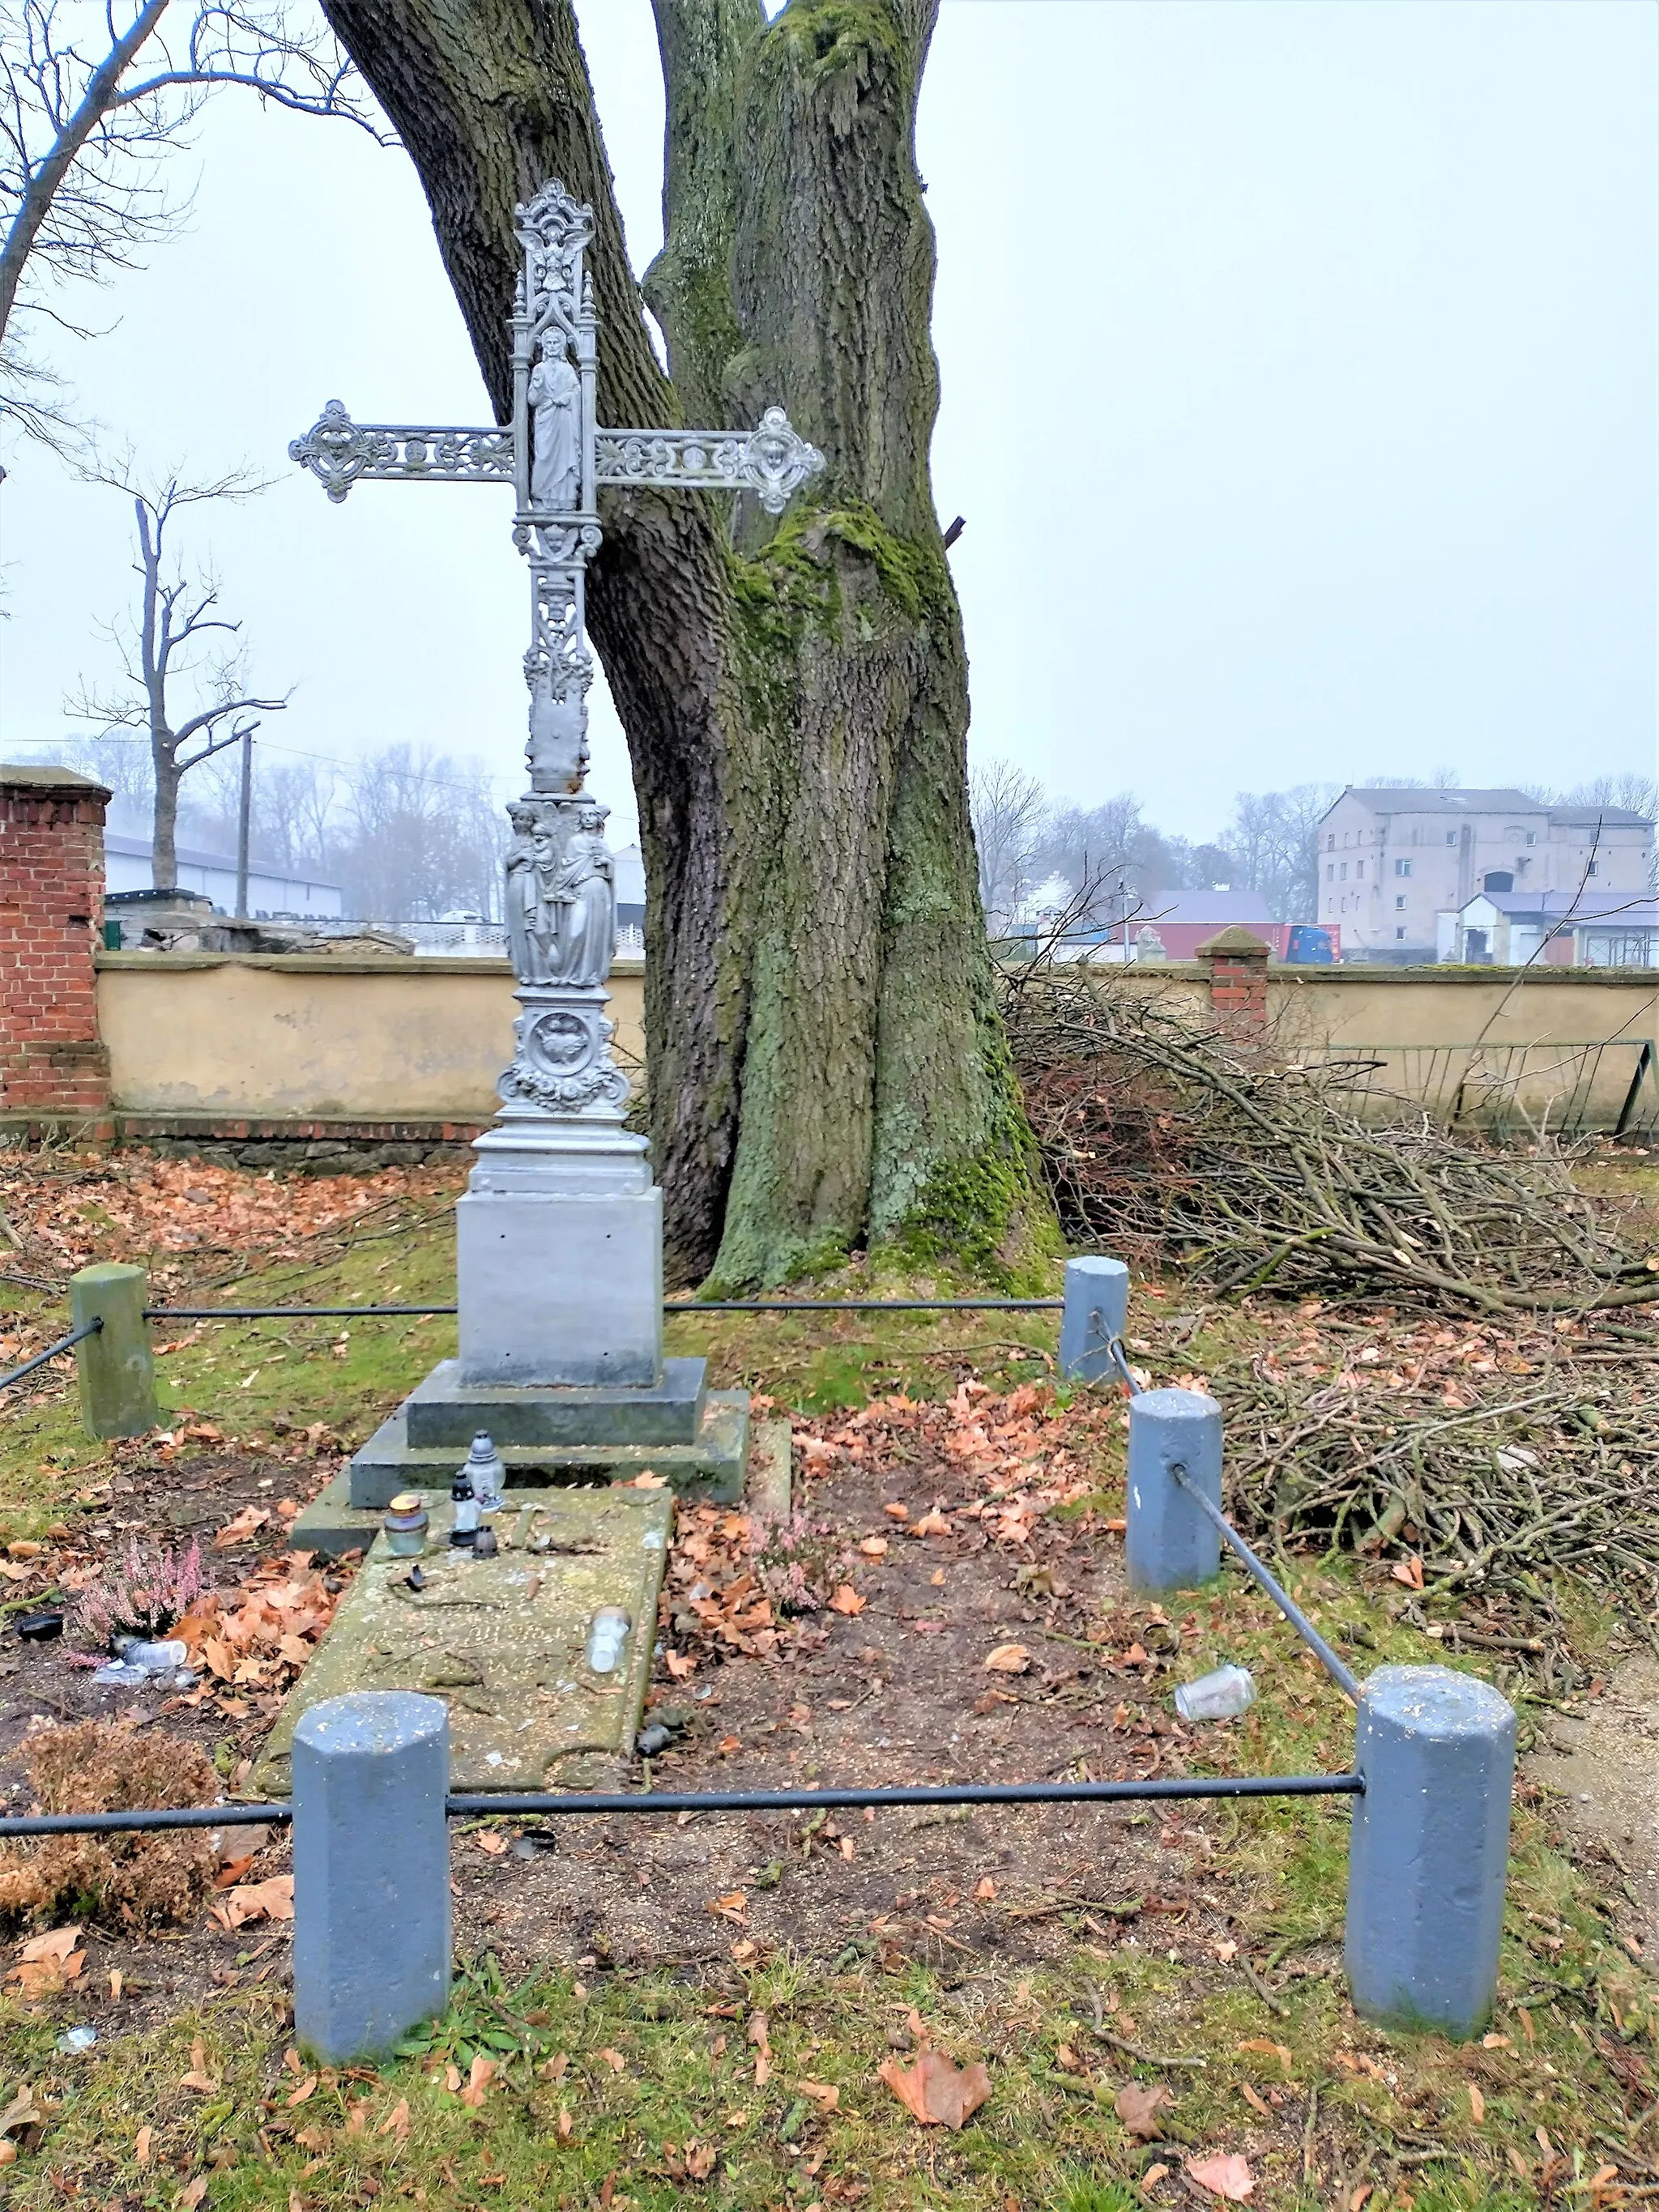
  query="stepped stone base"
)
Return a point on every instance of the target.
[
  {"x": 695, "y": 1439},
  {"x": 445, "y": 1412}
]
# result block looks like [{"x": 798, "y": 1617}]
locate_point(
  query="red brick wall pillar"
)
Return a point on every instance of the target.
[
  {"x": 53, "y": 1067},
  {"x": 1238, "y": 961}
]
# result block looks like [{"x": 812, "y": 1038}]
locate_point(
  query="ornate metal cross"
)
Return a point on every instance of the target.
[{"x": 555, "y": 456}]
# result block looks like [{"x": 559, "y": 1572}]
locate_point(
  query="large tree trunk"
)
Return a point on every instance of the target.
[{"x": 826, "y": 1065}]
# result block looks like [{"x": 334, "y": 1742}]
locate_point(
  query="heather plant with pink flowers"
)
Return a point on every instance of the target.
[{"x": 142, "y": 1593}]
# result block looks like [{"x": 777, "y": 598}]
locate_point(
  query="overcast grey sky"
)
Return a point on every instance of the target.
[{"x": 1299, "y": 363}]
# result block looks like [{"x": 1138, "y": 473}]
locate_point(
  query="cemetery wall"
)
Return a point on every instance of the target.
[
  {"x": 1518, "y": 1049},
  {"x": 268, "y": 1057},
  {"x": 400, "y": 1054},
  {"x": 259, "y": 1051}
]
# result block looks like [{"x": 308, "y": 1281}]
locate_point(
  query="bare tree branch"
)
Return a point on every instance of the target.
[
  {"x": 210, "y": 717},
  {"x": 166, "y": 648},
  {"x": 83, "y": 137}
]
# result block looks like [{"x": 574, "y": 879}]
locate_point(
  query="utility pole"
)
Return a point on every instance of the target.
[{"x": 244, "y": 816}]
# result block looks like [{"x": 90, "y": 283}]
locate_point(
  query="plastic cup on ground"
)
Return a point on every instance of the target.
[{"x": 1221, "y": 1695}]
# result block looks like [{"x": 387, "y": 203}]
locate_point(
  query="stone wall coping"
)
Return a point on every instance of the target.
[
  {"x": 1235, "y": 942},
  {"x": 1308, "y": 974},
  {"x": 46, "y": 775},
  {"x": 323, "y": 964},
  {"x": 1364, "y": 971}
]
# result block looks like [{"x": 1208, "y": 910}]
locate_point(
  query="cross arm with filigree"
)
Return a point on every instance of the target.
[{"x": 772, "y": 460}]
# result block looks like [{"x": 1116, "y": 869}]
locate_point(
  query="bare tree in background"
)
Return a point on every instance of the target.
[
  {"x": 179, "y": 640},
  {"x": 407, "y": 834},
  {"x": 1008, "y": 808},
  {"x": 1272, "y": 841},
  {"x": 1639, "y": 794},
  {"x": 94, "y": 98},
  {"x": 422, "y": 836}
]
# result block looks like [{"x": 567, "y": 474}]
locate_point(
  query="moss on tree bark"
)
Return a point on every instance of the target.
[{"x": 827, "y": 1068}]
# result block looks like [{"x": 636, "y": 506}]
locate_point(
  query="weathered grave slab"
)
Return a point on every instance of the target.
[{"x": 503, "y": 1641}]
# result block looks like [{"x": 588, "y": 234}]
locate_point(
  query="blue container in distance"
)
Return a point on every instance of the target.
[{"x": 1309, "y": 947}]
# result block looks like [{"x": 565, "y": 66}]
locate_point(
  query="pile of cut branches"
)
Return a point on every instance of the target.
[
  {"x": 1168, "y": 1142},
  {"x": 1538, "y": 1474}
]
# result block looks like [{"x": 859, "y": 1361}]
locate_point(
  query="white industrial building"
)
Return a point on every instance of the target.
[
  {"x": 1392, "y": 861},
  {"x": 271, "y": 890},
  {"x": 1554, "y": 929}
]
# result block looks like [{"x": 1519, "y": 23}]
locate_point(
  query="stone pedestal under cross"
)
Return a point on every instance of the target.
[{"x": 559, "y": 1236}]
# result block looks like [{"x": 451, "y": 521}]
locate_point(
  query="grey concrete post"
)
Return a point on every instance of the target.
[
  {"x": 371, "y": 1871},
  {"x": 1168, "y": 1544},
  {"x": 115, "y": 1367},
  {"x": 1096, "y": 1308},
  {"x": 1430, "y": 1848}
]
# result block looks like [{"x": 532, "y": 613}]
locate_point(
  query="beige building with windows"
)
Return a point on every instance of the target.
[{"x": 1391, "y": 860}]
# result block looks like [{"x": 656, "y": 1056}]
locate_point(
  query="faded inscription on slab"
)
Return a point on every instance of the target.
[{"x": 505, "y": 1642}]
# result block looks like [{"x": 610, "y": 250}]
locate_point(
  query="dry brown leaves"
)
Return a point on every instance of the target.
[
  {"x": 46, "y": 1963},
  {"x": 1017, "y": 1456},
  {"x": 935, "y": 2090},
  {"x": 713, "y": 1599},
  {"x": 1138, "y": 2104},
  {"x": 142, "y": 1879},
  {"x": 270, "y": 1899},
  {"x": 253, "y": 1641},
  {"x": 1225, "y": 2175},
  {"x": 103, "y": 1210},
  {"x": 999, "y": 1464},
  {"x": 696, "y": 2163},
  {"x": 739, "y": 1586},
  {"x": 26, "y": 2119}
]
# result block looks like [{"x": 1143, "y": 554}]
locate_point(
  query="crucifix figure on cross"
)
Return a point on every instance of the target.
[
  {"x": 555, "y": 457},
  {"x": 560, "y": 1133}
]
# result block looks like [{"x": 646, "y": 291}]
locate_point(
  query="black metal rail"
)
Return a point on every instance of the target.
[
  {"x": 1343, "y": 1675},
  {"x": 164, "y": 1816},
  {"x": 689, "y": 1306},
  {"x": 546, "y": 1804},
  {"x": 285, "y": 1313},
  {"x": 64, "y": 1344},
  {"x": 947, "y": 1793}
]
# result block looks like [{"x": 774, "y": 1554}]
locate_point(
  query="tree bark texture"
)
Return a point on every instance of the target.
[{"x": 826, "y": 1064}]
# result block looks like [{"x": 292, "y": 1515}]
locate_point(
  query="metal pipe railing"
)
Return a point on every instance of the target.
[
  {"x": 1343, "y": 1675},
  {"x": 1345, "y": 1680},
  {"x": 577, "y": 1803},
  {"x": 64, "y": 1344},
  {"x": 144, "y": 1822},
  {"x": 686, "y": 1306}
]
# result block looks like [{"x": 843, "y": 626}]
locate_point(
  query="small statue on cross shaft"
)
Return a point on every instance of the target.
[
  {"x": 521, "y": 894},
  {"x": 555, "y": 395},
  {"x": 587, "y": 895}
]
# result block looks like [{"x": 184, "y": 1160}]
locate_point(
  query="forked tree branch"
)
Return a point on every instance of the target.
[
  {"x": 43, "y": 178},
  {"x": 78, "y": 139},
  {"x": 210, "y": 717}
]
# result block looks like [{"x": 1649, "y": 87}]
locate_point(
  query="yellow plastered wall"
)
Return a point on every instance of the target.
[
  {"x": 280, "y": 1037},
  {"x": 289, "y": 1037}
]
